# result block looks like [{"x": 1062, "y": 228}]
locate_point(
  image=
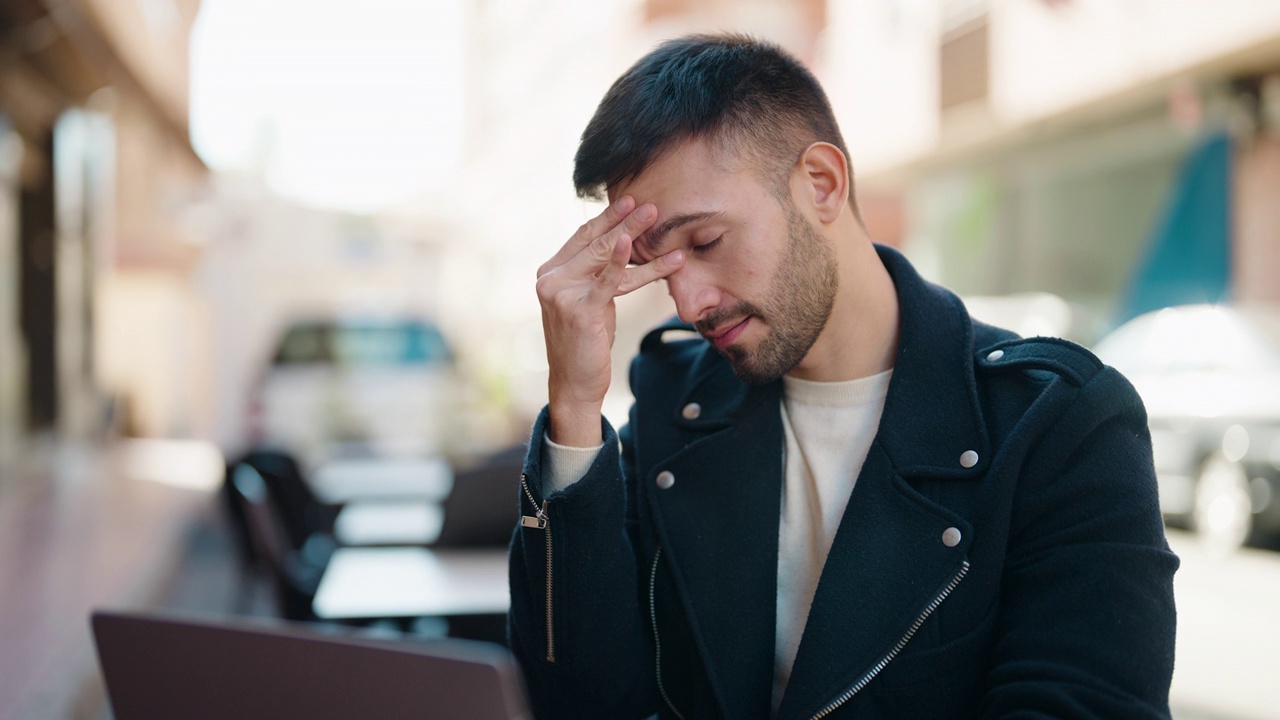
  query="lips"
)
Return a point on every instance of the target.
[{"x": 725, "y": 335}]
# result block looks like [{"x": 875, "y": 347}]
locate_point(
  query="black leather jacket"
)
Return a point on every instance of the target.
[{"x": 1033, "y": 579}]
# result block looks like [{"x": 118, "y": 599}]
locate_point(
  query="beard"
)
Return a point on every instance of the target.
[{"x": 795, "y": 308}]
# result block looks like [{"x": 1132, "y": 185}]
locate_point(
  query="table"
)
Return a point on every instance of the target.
[
  {"x": 388, "y": 522},
  {"x": 343, "y": 480},
  {"x": 406, "y": 582}
]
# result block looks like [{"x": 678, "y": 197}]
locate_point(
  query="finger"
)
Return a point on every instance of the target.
[
  {"x": 613, "y": 272},
  {"x": 592, "y": 259},
  {"x": 637, "y": 277},
  {"x": 592, "y": 229}
]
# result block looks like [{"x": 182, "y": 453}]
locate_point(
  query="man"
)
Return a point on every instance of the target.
[{"x": 846, "y": 499}]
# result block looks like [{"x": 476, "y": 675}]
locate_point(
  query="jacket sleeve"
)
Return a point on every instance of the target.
[
  {"x": 576, "y": 623},
  {"x": 1088, "y": 620}
]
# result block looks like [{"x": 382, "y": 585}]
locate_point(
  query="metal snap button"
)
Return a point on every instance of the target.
[
  {"x": 691, "y": 411},
  {"x": 665, "y": 479},
  {"x": 995, "y": 355},
  {"x": 951, "y": 537},
  {"x": 968, "y": 459}
]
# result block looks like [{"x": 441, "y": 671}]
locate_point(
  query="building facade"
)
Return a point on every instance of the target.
[
  {"x": 99, "y": 327},
  {"x": 1041, "y": 144}
]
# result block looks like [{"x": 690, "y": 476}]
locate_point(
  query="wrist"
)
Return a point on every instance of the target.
[{"x": 574, "y": 424}]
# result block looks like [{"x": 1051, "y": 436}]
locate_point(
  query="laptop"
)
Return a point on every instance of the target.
[{"x": 163, "y": 667}]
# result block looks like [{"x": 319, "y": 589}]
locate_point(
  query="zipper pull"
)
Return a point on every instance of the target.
[
  {"x": 535, "y": 522},
  {"x": 539, "y": 521}
]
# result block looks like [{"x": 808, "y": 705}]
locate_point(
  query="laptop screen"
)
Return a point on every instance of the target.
[{"x": 200, "y": 669}]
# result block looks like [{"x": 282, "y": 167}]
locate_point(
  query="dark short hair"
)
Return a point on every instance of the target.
[{"x": 748, "y": 94}]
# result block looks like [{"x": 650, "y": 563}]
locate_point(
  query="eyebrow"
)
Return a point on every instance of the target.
[{"x": 651, "y": 239}]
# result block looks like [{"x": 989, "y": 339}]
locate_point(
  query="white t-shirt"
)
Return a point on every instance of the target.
[{"x": 828, "y": 428}]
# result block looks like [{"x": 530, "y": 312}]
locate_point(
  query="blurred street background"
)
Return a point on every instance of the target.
[{"x": 301, "y": 236}]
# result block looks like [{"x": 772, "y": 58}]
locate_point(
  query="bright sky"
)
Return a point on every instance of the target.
[{"x": 347, "y": 105}]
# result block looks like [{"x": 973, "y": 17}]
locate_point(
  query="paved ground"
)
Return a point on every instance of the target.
[
  {"x": 75, "y": 535},
  {"x": 1228, "y": 661}
]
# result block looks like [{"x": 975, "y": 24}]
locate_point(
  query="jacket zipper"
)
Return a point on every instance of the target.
[
  {"x": 539, "y": 522},
  {"x": 879, "y": 666},
  {"x": 657, "y": 642}
]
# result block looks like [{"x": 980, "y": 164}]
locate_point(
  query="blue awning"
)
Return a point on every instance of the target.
[{"x": 1188, "y": 256}]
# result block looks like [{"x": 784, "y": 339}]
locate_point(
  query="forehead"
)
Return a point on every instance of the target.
[
  {"x": 694, "y": 186},
  {"x": 691, "y": 171}
]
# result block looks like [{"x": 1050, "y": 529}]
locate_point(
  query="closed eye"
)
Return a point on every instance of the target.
[{"x": 707, "y": 246}]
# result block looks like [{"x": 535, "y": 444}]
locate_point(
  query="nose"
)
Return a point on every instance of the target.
[{"x": 693, "y": 295}]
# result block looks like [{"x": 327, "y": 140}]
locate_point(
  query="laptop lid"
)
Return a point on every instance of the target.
[{"x": 164, "y": 667}]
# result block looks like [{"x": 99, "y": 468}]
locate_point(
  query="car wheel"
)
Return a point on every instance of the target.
[{"x": 1223, "y": 512}]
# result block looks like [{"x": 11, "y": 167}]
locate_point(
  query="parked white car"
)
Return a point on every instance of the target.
[
  {"x": 336, "y": 388},
  {"x": 1209, "y": 376}
]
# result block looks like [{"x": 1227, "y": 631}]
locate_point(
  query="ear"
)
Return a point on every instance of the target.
[{"x": 824, "y": 175}]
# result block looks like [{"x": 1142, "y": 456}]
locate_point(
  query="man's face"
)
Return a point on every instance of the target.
[{"x": 759, "y": 281}]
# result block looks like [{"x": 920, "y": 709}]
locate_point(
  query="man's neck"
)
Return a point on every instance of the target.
[{"x": 860, "y": 338}]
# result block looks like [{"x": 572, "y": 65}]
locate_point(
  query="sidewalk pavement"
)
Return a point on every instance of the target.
[{"x": 78, "y": 534}]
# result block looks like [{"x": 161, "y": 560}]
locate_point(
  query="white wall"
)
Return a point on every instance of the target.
[
  {"x": 1047, "y": 58},
  {"x": 881, "y": 75}
]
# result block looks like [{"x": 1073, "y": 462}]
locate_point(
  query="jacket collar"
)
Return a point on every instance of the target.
[{"x": 931, "y": 415}]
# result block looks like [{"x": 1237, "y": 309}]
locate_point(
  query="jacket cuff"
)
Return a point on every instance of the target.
[{"x": 549, "y": 472}]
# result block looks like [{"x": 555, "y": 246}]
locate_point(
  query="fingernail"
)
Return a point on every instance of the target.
[
  {"x": 645, "y": 212},
  {"x": 621, "y": 203},
  {"x": 674, "y": 258}
]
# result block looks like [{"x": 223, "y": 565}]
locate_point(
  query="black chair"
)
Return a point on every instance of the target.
[
  {"x": 306, "y": 521},
  {"x": 302, "y": 513},
  {"x": 294, "y": 570}
]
